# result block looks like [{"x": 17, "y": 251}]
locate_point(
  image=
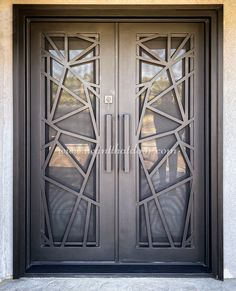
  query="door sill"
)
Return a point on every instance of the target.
[{"x": 103, "y": 269}]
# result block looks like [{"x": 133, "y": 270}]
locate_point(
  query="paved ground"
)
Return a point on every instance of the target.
[{"x": 117, "y": 284}]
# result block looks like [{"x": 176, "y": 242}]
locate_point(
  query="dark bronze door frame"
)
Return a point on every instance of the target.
[{"x": 210, "y": 20}]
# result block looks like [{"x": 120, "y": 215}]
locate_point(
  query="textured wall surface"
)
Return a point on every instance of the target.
[
  {"x": 6, "y": 130},
  {"x": 6, "y": 134}
]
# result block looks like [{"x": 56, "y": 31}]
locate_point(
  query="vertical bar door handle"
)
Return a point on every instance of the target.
[
  {"x": 108, "y": 142},
  {"x": 126, "y": 125}
]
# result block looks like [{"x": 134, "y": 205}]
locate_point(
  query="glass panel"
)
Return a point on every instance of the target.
[
  {"x": 145, "y": 190},
  {"x": 157, "y": 46},
  {"x": 146, "y": 55},
  {"x": 181, "y": 90},
  {"x": 174, "y": 205},
  {"x": 60, "y": 44},
  {"x": 50, "y": 49},
  {"x": 154, "y": 123},
  {"x": 156, "y": 225},
  {"x": 176, "y": 42},
  {"x": 78, "y": 226},
  {"x": 74, "y": 85},
  {"x": 92, "y": 226},
  {"x": 84, "y": 72},
  {"x": 173, "y": 170},
  {"x": 165, "y": 166},
  {"x": 68, "y": 158},
  {"x": 148, "y": 71},
  {"x": 79, "y": 149},
  {"x": 60, "y": 206},
  {"x": 161, "y": 83},
  {"x": 141, "y": 102},
  {"x": 77, "y": 46},
  {"x": 185, "y": 134},
  {"x": 90, "y": 189},
  {"x": 143, "y": 238},
  {"x": 178, "y": 70},
  {"x": 66, "y": 103},
  {"x": 94, "y": 104},
  {"x": 63, "y": 170},
  {"x": 58, "y": 50},
  {"x": 50, "y": 133},
  {"x": 57, "y": 70},
  {"x": 154, "y": 150},
  {"x": 54, "y": 88},
  {"x": 80, "y": 123},
  {"x": 78, "y": 229},
  {"x": 168, "y": 104}
]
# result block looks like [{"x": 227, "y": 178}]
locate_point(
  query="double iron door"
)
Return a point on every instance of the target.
[{"x": 117, "y": 143}]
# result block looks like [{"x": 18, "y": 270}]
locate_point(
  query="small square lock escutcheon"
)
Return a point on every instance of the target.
[{"x": 108, "y": 99}]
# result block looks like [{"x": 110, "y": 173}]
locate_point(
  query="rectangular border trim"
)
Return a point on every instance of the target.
[{"x": 23, "y": 15}]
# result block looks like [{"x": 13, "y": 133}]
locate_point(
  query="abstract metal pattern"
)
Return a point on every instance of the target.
[
  {"x": 164, "y": 129},
  {"x": 70, "y": 130}
]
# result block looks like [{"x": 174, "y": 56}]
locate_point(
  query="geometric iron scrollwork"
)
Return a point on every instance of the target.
[
  {"x": 69, "y": 134},
  {"x": 164, "y": 129}
]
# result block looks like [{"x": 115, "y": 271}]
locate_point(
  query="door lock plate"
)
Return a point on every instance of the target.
[{"x": 108, "y": 99}]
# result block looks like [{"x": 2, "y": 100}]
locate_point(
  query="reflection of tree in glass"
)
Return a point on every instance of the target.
[
  {"x": 74, "y": 84},
  {"x": 54, "y": 88},
  {"x": 65, "y": 97},
  {"x": 159, "y": 85},
  {"x": 149, "y": 152},
  {"x": 68, "y": 99},
  {"x": 84, "y": 71}
]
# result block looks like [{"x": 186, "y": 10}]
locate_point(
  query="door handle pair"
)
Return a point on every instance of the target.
[{"x": 125, "y": 126}]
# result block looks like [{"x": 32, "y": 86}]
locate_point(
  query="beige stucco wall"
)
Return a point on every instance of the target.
[{"x": 6, "y": 130}]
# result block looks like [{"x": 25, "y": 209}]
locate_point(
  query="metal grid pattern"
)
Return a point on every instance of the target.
[
  {"x": 165, "y": 120},
  {"x": 70, "y": 131}
]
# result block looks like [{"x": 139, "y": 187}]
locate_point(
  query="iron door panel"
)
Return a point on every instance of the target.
[
  {"x": 162, "y": 196},
  {"x": 71, "y": 193}
]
